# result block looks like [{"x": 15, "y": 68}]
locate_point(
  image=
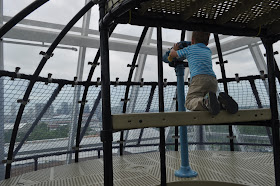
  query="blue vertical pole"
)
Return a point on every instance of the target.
[{"x": 185, "y": 170}]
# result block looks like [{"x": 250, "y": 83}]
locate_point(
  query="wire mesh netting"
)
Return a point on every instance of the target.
[{"x": 47, "y": 130}]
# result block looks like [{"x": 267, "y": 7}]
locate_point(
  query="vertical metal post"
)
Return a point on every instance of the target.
[
  {"x": 221, "y": 62},
  {"x": 142, "y": 37},
  {"x": 139, "y": 72},
  {"x": 259, "y": 103},
  {"x": 2, "y": 168},
  {"x": 77, "y": 91},
  {"x": 106, "y": 133},
  {"x": 161, "y": 106},
  {"x": 274, "y": 109},
  {"x": 176, "y": 130},
  {"x": 185, "y": 170},
  {"x": 35, "y": 164},
  {"x": 137, "y": 77},
  {"x": 147, "y": 110},
  {"x": 261, "y": 65}
]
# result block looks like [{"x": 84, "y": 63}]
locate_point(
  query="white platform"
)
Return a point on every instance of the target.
[{"x": 245, "y": 168}]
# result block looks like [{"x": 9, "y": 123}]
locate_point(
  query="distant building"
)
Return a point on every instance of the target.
[
  {"x": 64, "y": 109},
  {"x": 38, "y": 108}
]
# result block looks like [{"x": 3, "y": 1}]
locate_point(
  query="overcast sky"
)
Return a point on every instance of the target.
[{"x": 64, "y": 62}]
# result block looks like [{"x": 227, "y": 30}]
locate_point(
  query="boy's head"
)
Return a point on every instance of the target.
[{"x": 200, "y": 37}]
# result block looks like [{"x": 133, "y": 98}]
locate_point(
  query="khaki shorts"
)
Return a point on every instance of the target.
[{"x": 200, "y": 85}]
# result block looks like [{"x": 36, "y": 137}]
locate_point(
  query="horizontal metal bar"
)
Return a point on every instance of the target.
[
  {"x": 132, "y": 146},
  {"x": 4, "y": 73},
  {"x": 56, "y": 26},
  {"x": 128, "y": 45},
  {"x": 37, "y": 44}
]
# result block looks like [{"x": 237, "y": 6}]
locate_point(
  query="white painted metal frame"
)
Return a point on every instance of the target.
[
  {"x": 77, "y": 91},
  {"x": 137, "y": 77}
]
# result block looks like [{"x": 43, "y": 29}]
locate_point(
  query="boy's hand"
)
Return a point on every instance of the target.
[
  {"x": 176, "y": 46},
  {"x": 173, "y": 53}
]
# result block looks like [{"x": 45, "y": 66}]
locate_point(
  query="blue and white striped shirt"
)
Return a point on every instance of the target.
[{"x": 199, "y": 57}]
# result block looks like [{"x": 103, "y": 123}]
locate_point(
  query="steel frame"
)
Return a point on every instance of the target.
[
  {"x": 132, "y": 67},
  {"x": 106, "y": 134},
  {"x": 46, "y": 56},
  {"x": 222, "y": 66},
  {"x": 273, "y": 105}
]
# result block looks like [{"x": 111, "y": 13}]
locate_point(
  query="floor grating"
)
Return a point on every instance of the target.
[{"x": 250, "y": 168}]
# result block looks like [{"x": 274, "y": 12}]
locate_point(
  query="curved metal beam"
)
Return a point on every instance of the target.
[
  {"x": 133, "y": 65},
  {"x": 94, "y": 64},
  {"x": 42, "y": 63},
  {"x": 21, "y": 15}
]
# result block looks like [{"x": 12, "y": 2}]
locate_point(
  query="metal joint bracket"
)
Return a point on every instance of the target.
[
  {"x": 262, "y": 75},
  {"x": 49, "y": 79},
  {"x": 222, "y": 63},
  {"x": 17, "y": 73},
  {"x": 94, "y": 64},
  {"x": 23, "y": 102},
  {"x": 45, "y": 55},
  {"x": 120, "y": 142},
  {"x": 132, "y": 66},
  {"x": 189, "y": 81},
  {"x": 142, "y": 82},
  {"x": 75, "y": 81},
  {"x": 83, "y": 102},
  {"x": 125, "y": 100},
  {"x": 237, "y": 79},
  {"x": 165, "y": 82},
  {"x": 76, "y": 148},
  {"x": 7, "y": 161},
  {"x": 176, "y": 137},
  {"x": 106, "y": 135},
  {"x": 98, "y": 82},
  {"x": 274, "y": 53},
  {"x": 231, "y": 137},
  {"x": 117, "y": 82}
]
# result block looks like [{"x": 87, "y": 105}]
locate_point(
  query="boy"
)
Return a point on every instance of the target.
[{"x": 203, "y": 87}]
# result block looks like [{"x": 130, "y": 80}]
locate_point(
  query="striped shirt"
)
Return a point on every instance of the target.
[{"x": 199, "y": 57}]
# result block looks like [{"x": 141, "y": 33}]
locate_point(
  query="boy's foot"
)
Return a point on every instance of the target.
[
  {"x": 211, "y": 103},
  {"x": 228, "y": 103}
]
